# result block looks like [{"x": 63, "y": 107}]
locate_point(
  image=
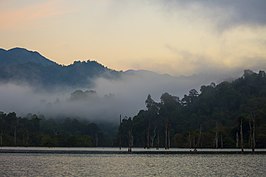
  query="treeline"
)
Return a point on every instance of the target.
[
  {"x": 227, "y": 115},
  {"x": 34, "y": 130}
]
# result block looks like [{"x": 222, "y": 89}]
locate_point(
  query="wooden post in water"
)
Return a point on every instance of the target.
[{"x": 241, "y": 136}]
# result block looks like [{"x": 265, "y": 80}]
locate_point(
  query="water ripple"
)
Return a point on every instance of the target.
[{"x": 114, "y": 165}]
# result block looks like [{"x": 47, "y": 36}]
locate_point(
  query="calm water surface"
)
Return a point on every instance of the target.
[{"x": 131, "y": 165}]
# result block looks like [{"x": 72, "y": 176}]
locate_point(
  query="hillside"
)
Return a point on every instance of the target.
[
  {"x": 17, "y": 56},
  {"x": 211, "y": 118},
  {"x": 22, "y": 66}
]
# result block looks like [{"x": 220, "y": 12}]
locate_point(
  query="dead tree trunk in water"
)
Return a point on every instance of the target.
[
  {"x": 15, "y": 135},
  {"x": 254, "y": 141},
  {"x": 1, "y": 138},
  {"x": 130, "y": 140},
  {"x": 189, "y": 140},
  {"x": 120, "y": 143},
  {"x": 169, "y": 139},
  {"x": 194, "y": 143},
  {"x": 158, "y": 139},
  {"x": 250, "y": 135},
  {"x": 167, "y": 135},
  {"x": 96, "y": 140},
  {"x": 1, "y": 135},
  {"x": 27, "y": 137},
  {"x": 148, "y": 136},
  {"x": 153, "y": 137},
  {"x": 241, "y": 136},
  {"x": 216, "y": 136},
  {"x": 222, "y": 143},
  {"x": 130, "y": 136},
  {"x": 166, "y": 139},
  {"x": 199, "y": 138},
  {"x": 237, "y": 140}
]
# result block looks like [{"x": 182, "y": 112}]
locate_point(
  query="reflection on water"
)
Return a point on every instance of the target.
[{"x": 131, "y": 165}]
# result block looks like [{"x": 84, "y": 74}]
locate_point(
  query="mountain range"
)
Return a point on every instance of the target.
[
  {"x": 27, "y": 75},
  {"x": 19, "y": 65}
]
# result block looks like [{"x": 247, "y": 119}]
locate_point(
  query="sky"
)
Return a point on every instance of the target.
[{"x": 166, "y": 36}]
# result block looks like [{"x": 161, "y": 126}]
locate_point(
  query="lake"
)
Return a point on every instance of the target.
[{"x": 36, "y": 164}]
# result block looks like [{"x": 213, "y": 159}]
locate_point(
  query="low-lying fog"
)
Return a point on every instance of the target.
[{"x": 111, "y": 98}]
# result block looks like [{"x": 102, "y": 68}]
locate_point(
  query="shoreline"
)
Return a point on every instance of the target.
[{"x": 57, "y": 150}]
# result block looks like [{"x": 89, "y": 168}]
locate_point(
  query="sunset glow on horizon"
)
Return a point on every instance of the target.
[{"x": 166, "y": 36}]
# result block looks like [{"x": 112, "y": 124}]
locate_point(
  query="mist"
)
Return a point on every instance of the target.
[
  {"x": 106, "y": 101},
  {"x": 226, "y": 13}
]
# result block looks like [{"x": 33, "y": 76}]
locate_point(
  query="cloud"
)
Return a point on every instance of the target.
[
  {"x": 20, "y": 15},
  {"x": 194, "y": 63},
  {"x": 221, "y": 67},
  {"x": 227, "y": 13}
]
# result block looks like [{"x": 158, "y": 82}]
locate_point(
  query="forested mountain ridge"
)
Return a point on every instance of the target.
[
  {"x": 211, "y": 118},
  {"x": 17, "y": 56},
  {"x": 19, "y": 65}
]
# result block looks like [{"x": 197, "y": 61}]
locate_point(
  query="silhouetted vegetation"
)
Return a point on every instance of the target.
[
  {"x": 34, "y": 130},
  {"x": 215, "y": 118}
]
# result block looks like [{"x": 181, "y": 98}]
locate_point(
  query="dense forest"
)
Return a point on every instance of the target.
[
  {"x": 230, "y": 114},
  {"x": 34, "y": 130},
  {"x": 227, "y": 115}
]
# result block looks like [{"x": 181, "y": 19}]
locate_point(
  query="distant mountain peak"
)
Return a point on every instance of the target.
[
  {"x": 19, "y": 55},
  {"x": 19, "y": 48}
]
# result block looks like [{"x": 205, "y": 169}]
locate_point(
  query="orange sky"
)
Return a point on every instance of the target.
[{"x": 184, "y": 39}]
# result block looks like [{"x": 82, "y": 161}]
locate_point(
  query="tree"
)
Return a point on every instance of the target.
[
  {"x": 227, "y": 103},
  {"x": 151, "y": 118}
]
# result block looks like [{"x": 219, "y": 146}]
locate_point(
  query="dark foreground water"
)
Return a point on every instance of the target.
[{"x": 131, "y": 165}]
